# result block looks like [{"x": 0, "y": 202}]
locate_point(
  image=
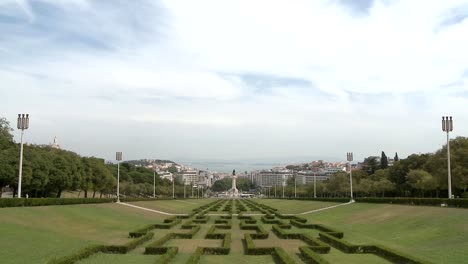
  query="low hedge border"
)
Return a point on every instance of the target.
[
  {"x": 380, "y": 251},
  {"x": 310, "y": 256},
  {"x": 320, "y": 227},
  {"x": 315, "y": 244},
  {"x": 276, "y": 222},
  {"x": 278, "y": 253},
  {"x": 168, "y": 255},
  {"x": 27, "y": 202},
  {"x": 458, "y": 202},
  {"x": 20, "y": 202},
  {"x": 87, "y": 252}
]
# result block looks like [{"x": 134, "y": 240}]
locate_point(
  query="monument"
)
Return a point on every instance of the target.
[{"x": 233, "y": 192}]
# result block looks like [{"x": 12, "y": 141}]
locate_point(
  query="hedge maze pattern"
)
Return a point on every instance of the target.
[{"x": 217, "y": 219}]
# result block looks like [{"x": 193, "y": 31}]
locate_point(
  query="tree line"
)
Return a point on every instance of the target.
[
  {"x": 48, "y": 172},
  {"x": 419, "y": 175}
]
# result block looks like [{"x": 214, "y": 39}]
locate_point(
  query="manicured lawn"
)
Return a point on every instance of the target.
[
  {"x": 173, "y": 206},
  {"x": 42, "y": 233},
  {"x": 237, "y": 258},
  {"x": 38, "y": 234},
  {"x": 292, "y": 206},
  {"x": 432, "y": 233}
]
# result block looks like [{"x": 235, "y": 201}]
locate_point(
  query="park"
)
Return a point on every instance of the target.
[{"x": 233, "y": 231}]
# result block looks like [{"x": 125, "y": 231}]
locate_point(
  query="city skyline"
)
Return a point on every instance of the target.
[{"x": 236, "y": 80}]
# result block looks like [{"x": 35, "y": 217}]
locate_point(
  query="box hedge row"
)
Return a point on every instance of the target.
[{"x": 309, "y": 256}]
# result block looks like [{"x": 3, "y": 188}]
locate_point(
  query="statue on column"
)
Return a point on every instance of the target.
[{"x": 234, "y": 192}]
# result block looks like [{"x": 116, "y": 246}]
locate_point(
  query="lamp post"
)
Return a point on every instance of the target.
[
  {"x": 295, "y": 189},
  {"x": 184, "y": 188},
  {"x": 173, "y": 187},
  {"x": 276, "y": 182},
  {"x": 154, "y": 184},
  {"x": 283, "y": 183},
  {"x": 118, "y": 157},
  {"x": 23, "y": 123},
  {"x": 349, "y": 157},
  {"x": 315, "y": 188},
  {"x": 447, "y": 126}
]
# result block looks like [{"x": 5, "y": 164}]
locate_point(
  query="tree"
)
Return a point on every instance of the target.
[
  {"x": 421, "y": 180},
  {"x": 6, "y": 138},
  {"x": 383, "y": 161},
  {"x": 172, "y": 169},
  {"x": 395, "y": 159},
  {"x": 370, "y": 165}
]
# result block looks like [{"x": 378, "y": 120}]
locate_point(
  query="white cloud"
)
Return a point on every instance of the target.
[{"x": 180, "y": 63}]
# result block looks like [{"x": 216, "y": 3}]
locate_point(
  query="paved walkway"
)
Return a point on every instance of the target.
[
  {"x": 303, "y": 213},
  {"x": 147, "y": 209}
]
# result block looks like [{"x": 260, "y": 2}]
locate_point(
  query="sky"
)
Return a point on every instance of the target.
[{"x": 263, "y": 80}]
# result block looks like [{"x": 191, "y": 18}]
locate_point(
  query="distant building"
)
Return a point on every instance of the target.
[
  {"x": 165, "y": 175},
  {"x": 55, "y": 144},
  {"x": 190, "y": 177},
  {"x": 267, "y": 178}
]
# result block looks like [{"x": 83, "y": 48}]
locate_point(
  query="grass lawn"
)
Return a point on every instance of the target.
[
  {"x": 432, "y": 233},
  {"x": 238, "y": 258},
  {"x": 120, "y": 259},
  {"x": 173, "y": 206},
  {"x": 42, "y": 233},
  {"x": 38, "y": 234},
  {"x": 292, "y": 206}
]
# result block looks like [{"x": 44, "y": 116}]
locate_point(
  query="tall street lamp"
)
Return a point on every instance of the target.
[
  {"x": 283, "y": 183},
  {"x": 295, "y": 189},
  {"x": 173, "y": 186},
  {"x": 315, "y": 188},
  {"x": 118, "y": 157},
  {"x": 349, "y": 157},
  {"x": 447, "y": 126},
  {"x": 154, "y": 184},
  {"x": 23, "y": 123}
]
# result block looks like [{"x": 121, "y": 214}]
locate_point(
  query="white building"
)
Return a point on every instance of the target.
[
  {"x": 271, "y": 178},
  {"x": 165, "y": 175}
]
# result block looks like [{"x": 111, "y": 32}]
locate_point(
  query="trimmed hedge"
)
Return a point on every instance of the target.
[
  {"x": 339, "y": 244},
  {"x": 19, "y": 202},
  {"x": 278, "y": 253},
  {"x": 125, "y": 248},
  {"x": 82, "y": 254},
  {"x": 168, "y": 255},
  {"x": 392, "y": 255},
  {"x": 459, "y": 202},
  {"x": 282, "y": 257},
  {"x": 320, "y": 227},
  {"x": 311, "y": 257},
  {"x": 87, "y": 252}
]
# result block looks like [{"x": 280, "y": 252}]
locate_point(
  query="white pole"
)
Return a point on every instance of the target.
[
  {"x": 351, "y": 180},
  {"x": 20, "y": 165},
  {"x": 448, "y": 168},
  {"x": 173, "y": 188},
  {"x": 184, "y": 189},
  {"x": 118, "y": 181},
  {"x": 283, "y": 189},
  {"x": 154, "y": 184},
  {"x": 315, "y": 189},
  {"x": 295, "y": 193}
]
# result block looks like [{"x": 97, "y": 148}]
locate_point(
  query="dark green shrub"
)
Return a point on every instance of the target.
[
  {"x": 282, "y": 257},
  {"x": 18, "y": 202},
  {"x": 311, "y": 257},
  {"x": 168, "y": 255},
  {"x": 82, "y": 254},
  {"x": 417, "y": 201}
]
